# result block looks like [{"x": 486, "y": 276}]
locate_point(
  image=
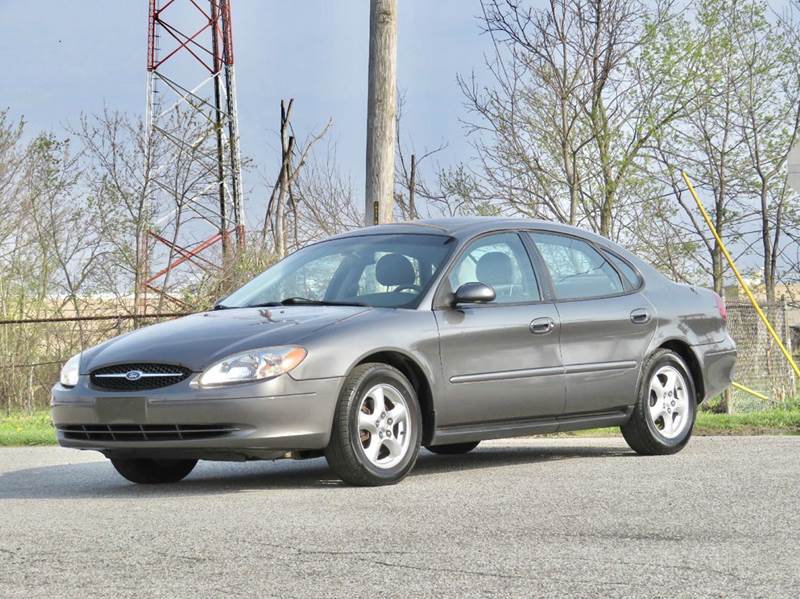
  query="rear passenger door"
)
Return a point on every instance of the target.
[{"x": 606, "y": 324}]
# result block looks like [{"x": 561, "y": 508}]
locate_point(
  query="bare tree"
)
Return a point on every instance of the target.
[
  {"x": 576, "y": 95},
  {"x": 410, "y": 183},
  {"x": 326, "y": 202},
  {"x": 735, "y": 137},
  {"x": 118, "y": 159},
  {"x": 768, "y": 106},
  {"x": 283, "y": 193}
]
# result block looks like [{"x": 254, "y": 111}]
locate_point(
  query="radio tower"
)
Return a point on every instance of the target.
[{"x": 193, "y": 135}]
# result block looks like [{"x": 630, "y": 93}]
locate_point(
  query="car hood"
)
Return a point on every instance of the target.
[{"x": 199, "y": 340}]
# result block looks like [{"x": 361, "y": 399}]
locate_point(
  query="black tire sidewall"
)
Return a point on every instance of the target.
[
  {"x": 150, "y": 471},
  {"x": 388, "y": 376},
  {"x": 668, "y": 359},
  {"x": 453, "y": 448}
]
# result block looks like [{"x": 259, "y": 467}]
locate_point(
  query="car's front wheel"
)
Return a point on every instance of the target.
[
  {"x": 664, "y": 413},
  {"x": 377, "y": 427},
  {"x": 148, "y": 471}
]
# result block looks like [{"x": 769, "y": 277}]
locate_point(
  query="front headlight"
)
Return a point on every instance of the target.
[
  {"x": 70, "y": 371},
  {"x": 253, "y": 365}
]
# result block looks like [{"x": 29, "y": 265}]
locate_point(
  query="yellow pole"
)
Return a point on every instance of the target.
[
  {"x": 750, "y": 391},
  {"x": 739, "y": 278}
]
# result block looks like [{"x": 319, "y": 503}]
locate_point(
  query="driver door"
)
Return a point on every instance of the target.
[{"x": 501, "y": 360}]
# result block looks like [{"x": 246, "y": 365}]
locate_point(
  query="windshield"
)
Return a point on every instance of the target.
[{"x": 391, "y": 271}]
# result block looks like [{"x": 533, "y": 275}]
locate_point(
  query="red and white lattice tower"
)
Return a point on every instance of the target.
[{"x": 193, "y": 133}]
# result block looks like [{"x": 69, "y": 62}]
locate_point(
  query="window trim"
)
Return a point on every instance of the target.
[
  {"x": 640, "y": 278},
  {"x": 440, "y": 296},
  {"x": 600, "y": 250}
]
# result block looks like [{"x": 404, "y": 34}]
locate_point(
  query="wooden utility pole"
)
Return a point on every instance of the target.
[{"x": 381, "y": 111}]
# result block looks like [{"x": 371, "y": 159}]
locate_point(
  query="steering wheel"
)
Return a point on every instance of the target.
[{"x": 401, "y": 288}]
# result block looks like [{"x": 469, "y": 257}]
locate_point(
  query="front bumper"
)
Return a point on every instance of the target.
[{"x": 257, "y": 420}]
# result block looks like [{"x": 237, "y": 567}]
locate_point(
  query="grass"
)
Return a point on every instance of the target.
[
  {"x": 778, "y": 421},
  {"x": 27, "y": 429},
  {"x": 35, "y": 429}
]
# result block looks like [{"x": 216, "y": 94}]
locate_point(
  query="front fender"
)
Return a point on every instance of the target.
[{"x": 334, "y": 351}]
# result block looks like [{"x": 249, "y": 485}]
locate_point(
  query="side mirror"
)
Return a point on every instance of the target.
[{"x": 474, "y": 293}]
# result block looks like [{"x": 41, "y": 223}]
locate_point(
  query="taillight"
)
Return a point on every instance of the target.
[{"x": 723, "y": 311}]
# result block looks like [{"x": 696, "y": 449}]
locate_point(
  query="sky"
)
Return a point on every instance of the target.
[{"x": 63, "y": 58}]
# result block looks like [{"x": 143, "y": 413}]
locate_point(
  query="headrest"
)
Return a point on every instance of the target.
[
  {"x": 394, "y": 269},
  {"x": 494, "y": 268}
]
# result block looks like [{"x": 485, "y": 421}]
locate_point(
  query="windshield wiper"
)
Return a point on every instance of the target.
[
  {"x": 304, "y": 301},
  {"x": 263, "y": 305},
  {"x": 300, "y": 301}
]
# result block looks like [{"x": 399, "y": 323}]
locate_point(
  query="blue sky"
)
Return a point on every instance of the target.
[{"x": 66, "y": 57}]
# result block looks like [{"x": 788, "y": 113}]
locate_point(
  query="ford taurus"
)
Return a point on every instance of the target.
[{"x": 369, "y": 345}]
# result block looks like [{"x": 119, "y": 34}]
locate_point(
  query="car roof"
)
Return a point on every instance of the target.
[{"x": 465, "y": 226}]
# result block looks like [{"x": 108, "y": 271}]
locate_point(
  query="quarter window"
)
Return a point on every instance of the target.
[
  {"x": 501, "y": 262},
  {"x": 577, "y": 269},
  {"x": 631, "y": 276}
]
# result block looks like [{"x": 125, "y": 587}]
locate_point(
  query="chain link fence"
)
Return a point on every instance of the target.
[
  {"x": 760, "y": 364},
  {"x": 32, "y": 352}
]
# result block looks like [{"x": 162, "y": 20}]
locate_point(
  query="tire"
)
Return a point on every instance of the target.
[
  {"x": 453, "y": 448},
  {"x": 368, "y": 446},
  {"x": 666, "y": 387},
  {"x": 147, "y": 471}
]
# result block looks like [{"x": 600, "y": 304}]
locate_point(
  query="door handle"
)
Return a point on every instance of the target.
[
  {"x": 640, "y": 316},
  {"x": 542, "y": 326}
]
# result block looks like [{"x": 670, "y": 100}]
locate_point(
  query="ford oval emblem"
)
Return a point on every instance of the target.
[{"x": 133, "y": 375}]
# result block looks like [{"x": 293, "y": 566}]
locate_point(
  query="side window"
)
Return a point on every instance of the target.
[
  {"x": 577, "y": 269},
  {"x": 501, "y": 262}
]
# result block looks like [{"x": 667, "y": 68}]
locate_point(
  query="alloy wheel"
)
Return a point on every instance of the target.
[
  {"x": 669, "y": 402},
  {"x": 384, "y": 426}
]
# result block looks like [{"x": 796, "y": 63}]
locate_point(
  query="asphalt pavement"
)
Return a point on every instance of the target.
[{"x": 528, "y": 517}]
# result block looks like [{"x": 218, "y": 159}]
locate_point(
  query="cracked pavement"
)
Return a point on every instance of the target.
[{"x": 519, "y": 518}]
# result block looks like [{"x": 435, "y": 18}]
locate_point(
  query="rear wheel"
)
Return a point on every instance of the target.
[
  {"x": 147, "y": 471},
  {"x": 377, "y": 427},
  {"x": 663, "y": 417},
  {"x": 453, "y": 448}
]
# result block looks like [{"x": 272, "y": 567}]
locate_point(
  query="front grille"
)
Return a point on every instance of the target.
[
  {"x": 144, "y": 432},
  {"x": 145, "y": 376}
]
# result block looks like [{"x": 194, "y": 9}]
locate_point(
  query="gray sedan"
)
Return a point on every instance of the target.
[{"x": 369, "y": 345}]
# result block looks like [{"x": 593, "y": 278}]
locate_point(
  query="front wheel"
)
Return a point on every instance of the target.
[
  {"x": 377, "y": 427},
  {"x": 664, "y": 413},
  {"x": 147, "y": 471}
]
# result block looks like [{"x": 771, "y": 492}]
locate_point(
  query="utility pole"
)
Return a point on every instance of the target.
[{"x": 381, "y": 111}]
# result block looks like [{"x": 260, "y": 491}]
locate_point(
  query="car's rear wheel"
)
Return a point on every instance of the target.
[
  {"x": 148, "y": 471},
  {"x": 664, "y": 413},
  {"x": 377, "y": 427},
  {"x": 453, "y": 448}
]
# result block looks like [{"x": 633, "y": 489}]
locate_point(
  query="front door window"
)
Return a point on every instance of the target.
[{"x": 501, "y": 262}]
